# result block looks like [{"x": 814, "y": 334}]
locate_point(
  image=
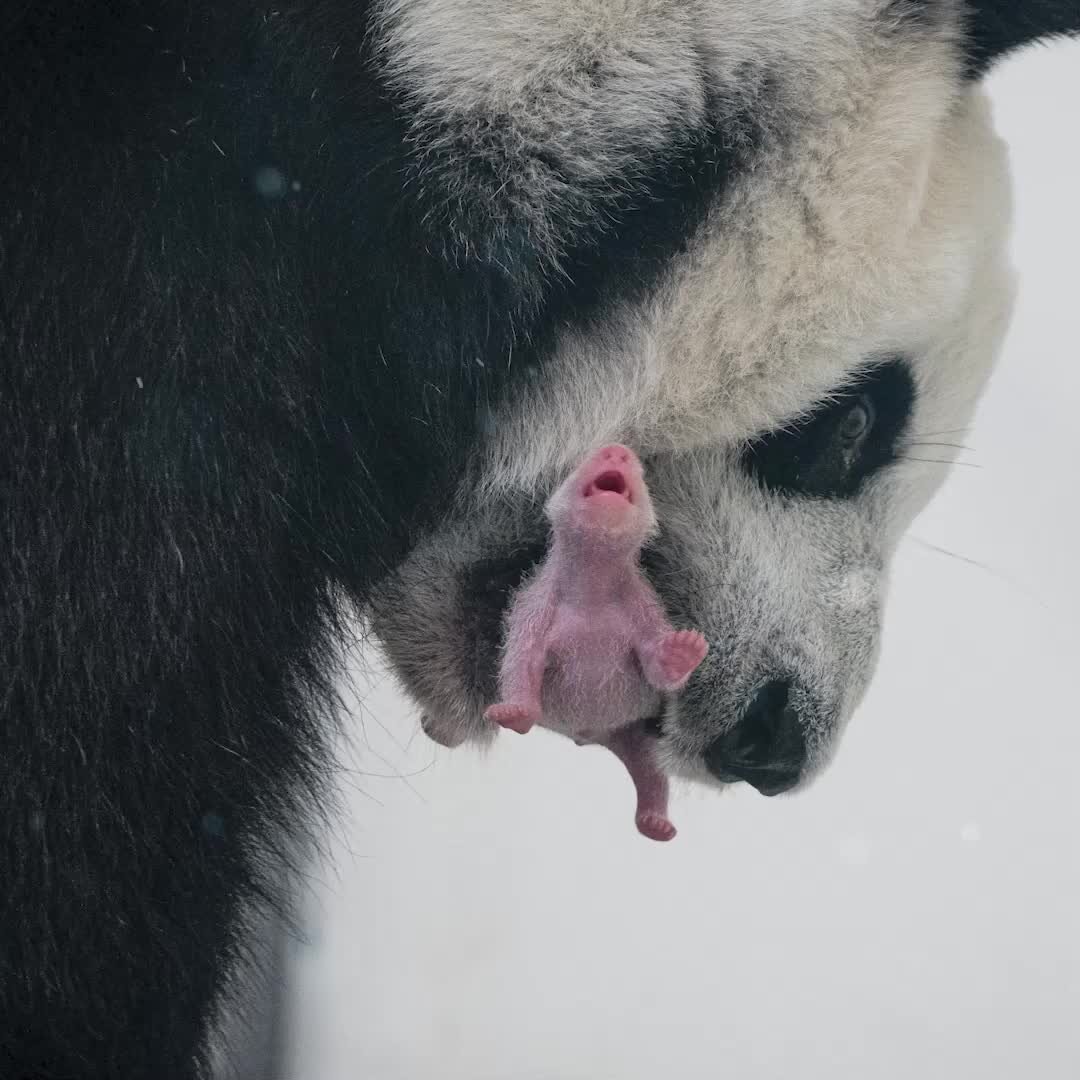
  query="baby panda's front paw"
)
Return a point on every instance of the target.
[
  {"x": 654, "y": 826},
  {"x": 515, "y": 717},
  {"x": 675, "y": 658}
]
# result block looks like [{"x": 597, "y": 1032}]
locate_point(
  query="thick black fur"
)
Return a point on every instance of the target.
[
  {"x": 996, "y": 27},
  {"x": 241, "y": 361},
  {"x": 242, "y": 358}
]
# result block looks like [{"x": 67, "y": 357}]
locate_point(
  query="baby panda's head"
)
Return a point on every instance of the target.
[{"x": 604, "y": 502}]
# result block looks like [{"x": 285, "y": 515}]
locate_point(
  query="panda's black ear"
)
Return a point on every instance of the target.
[{"x": 995, "y": 27}]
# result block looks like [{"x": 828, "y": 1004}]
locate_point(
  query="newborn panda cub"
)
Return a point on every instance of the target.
[{"x": 589, "y": 650}]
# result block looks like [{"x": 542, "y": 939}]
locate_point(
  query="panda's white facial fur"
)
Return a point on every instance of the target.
[{"x": 859, "y": 247}]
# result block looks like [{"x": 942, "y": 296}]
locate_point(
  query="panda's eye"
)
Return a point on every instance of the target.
[
  {"x": 858, "y": 420},
  {"x": 833, "y": 450}
]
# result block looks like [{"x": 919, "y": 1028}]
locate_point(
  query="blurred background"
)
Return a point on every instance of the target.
[{"x": 916, "y": 913}]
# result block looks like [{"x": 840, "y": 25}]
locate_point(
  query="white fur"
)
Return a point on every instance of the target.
[{"x": 879, "y": 230}]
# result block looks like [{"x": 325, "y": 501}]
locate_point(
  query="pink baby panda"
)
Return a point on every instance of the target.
[{"x": 589, "y": 649}]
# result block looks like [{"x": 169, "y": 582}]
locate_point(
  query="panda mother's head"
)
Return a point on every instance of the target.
[{"x": 767, "y": 249}]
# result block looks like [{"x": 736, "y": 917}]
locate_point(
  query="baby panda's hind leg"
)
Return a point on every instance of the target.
[{"x": 634, "y": 749}]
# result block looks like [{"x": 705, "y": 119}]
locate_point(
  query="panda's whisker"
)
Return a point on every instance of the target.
[
  {"x": 939, "y": 461},
  {"x": 950, "y": 445},
  {"x": 938, "y": 434},
  {"x": 985, "y": 567}
]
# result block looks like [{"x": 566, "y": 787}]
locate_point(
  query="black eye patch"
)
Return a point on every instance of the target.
[{"x": 833, "y": 450}]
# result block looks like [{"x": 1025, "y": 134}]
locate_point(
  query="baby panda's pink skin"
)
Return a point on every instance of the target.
[{"x": 589, "y": 650}]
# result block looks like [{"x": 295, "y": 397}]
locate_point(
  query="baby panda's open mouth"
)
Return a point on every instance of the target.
[{"x": 609, "y": 482}]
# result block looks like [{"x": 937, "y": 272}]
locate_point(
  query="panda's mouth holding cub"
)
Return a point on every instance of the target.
[
  {"x": 653, "y": 726},
  {"x": 765, "y": 702},
  {"x": 487, "y": 591}
]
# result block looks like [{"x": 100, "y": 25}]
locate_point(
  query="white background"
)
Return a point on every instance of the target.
[{"x": 916, "y": 914}]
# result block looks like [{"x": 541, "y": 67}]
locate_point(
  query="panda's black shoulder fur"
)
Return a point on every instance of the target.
[
  {"x": 997, "y": 27},
  {"x": 240, "y": 365}
]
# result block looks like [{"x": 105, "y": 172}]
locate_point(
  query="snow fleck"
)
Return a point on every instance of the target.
[
  {"x": 270, "y": 183},
  {"x": 213, "y": 825},
  {"x": 485, "y": 420}
]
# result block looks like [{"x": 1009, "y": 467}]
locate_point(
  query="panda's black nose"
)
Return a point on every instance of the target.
[{"x": 767, "y": 747}]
